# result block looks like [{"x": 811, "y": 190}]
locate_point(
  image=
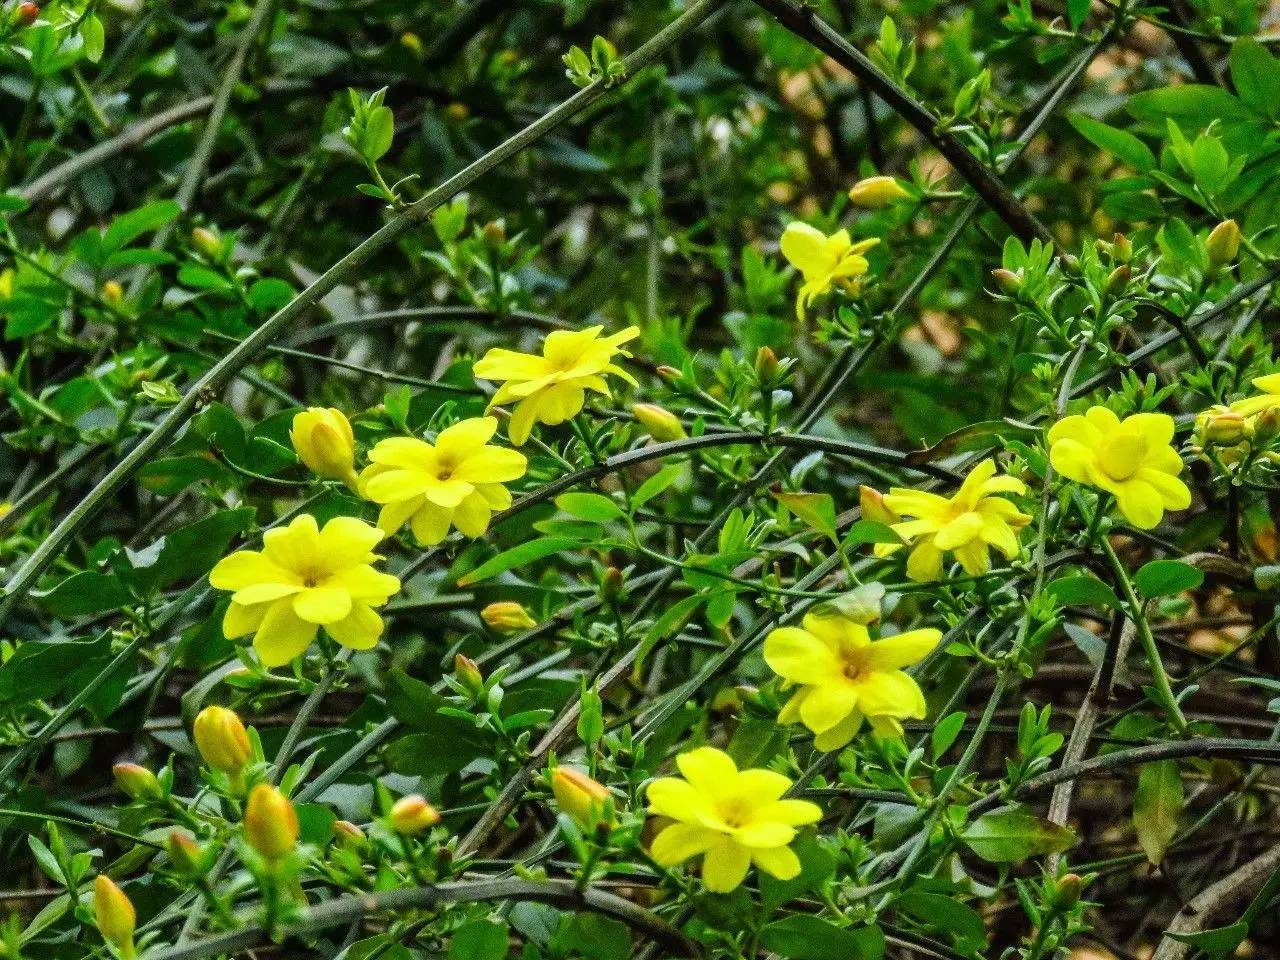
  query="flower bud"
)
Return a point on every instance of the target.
[
  {"x": 1221, "y": 426},
  {"x": 325, "y": 443},
  {"x": 411, "y": 42},
  {"x": 27, "y": 14},
  {"x": 270, "y": 822},
  {"x": 873, "y": 506},
  {"x": 114, "y": 915},
  {"x": 1122, "y": 248},
  {"x": 586, "y": 801},
  {"x": 347, "y": 834},
  {"x": 137, "y": 782},
  {"x": 494, "y": 234},
  {"x": 457, "y": 112},
  {"x": 1223, "y": 244},
  {"x": 766, "y": 365},
  {"x": 1067, "y": 891},
  {"x": 6, "y": 283},
  {"x": 412, "y": 815},
  {"x": 1006, "y": 280},
  {"x": 507, "y": 616},
  {"x": 184, "y": 854},
  {"x": 668, "y": 373},
  {"x": 1266, "y": 425},
  {"x": 206, "y": 242},
  {"x": 663, "y": 425},
  {"x": 222, "y": 740},
  {"x": 468, "y": 673},
  {"x": 611, "y": 583},
  {"x": 112, "y": 293},
  {"x": 1119, "y": 279},
  {"x": 876, "y": 192}
]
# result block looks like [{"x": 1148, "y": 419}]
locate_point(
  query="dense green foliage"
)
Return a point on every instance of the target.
[{"x": 775, "y": 480}]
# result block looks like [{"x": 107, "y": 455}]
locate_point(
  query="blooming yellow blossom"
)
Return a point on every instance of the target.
[
  {"x": 324, "y": 442},
  {"x": 843, "y": 677},
  {"x": 967, "y": 524},
  {"x": 731, "y": 817},
  {"x": 1268, "y": 399},
  {"x": 824, "y": 261},
  {"x": 1131, "y": 459},
  {"x": 305, "y": 578},
  {"x": 552, "y": 387},
  {"x": 457, "y": 481}
]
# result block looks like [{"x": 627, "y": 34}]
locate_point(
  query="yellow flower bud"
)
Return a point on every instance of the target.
[
  {"x": 184, "y": 854},
  {"x": 1066, "y": 891},
  {"x": 347, "y": 834},
  {"x": 270, "y": 822},
  {"x": 468, "y": 673},
  {"x": 112, "y": 293},
  {"x": 207, "y": 242},
  {"x": 114, "y": 915},
  {"x": 457, "y": 112},
  {"x": 411, "y": 42},
  {"x": 1221, "y": 426},
  {"x": 876, "y": 192},
  {"x": 662, "y": 424},
  {"x": 1122, "y": 248},
  {"x": 222, "y": 740},
  {"x": 1008, "y": 281},
  {"x": 1119, "y": 278},
  {"x": 325, "y": 443},
  {"x": 6, "y": 284},
  {"x": 766, "y": 365},
  {"x": 586, "y": 801},
  {"x": 1266, "y": 425},
  {"x": 412, "y": 815},
  {"x": 873, "y": 506},
  {"x": 1223, "y": 244},
  {"x": 137, "y": 782},
  {"x": 507, "y": 616}
]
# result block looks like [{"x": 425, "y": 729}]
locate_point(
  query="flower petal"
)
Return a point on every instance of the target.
[
  {"x": 894, "y": 653},
  {"x": 892, "y": 693},
  {"x": 359, "y": 630},
  {"x": 680, "y": 841},
  {"x": 795, "y": 813},
  {"x": 799, "y": 656},
  {"x": 283, "y": 635},
  {"x": 780, "y": 862},
  {"x": 708, "y": 770},
  {"x": 322, "y": 604},
  {"x": 247, "y": 568},
  {"x": 828, "y": 704},
  {"x": 1173, "y": 492},
  {"x": 724, "y": 866},
  {"x": 1140, "y": 504},
  {"x": 1072, "y": 459}
]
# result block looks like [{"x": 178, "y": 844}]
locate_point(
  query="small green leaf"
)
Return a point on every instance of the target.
[
  {"x": 1083, "y": 590},
  {"x": 1157, "y": 804},
  {"x": 517, "y": 557},
  {"x": 805, "y": 937},
  {"x": 1162, "y": 578},
  {"x": 816, "y": 510},
  {"x": 1009, "y": 837},
  {"x": 589, "y": 506},
  {"x": 1120, "y": 143}
]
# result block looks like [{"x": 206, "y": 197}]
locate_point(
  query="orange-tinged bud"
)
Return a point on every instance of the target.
[
  {"x": 766, "y": 365},
  {"x": 663, "y": 425},
  {"x": 412, "y": 815},
  {"x": 1006, "y": 280},
  {"x": 1266, "y": 424},
  {"x": 1067, "y": 891},
  {"x": 137, "y": 782},
  {"x": 876, "y": 192},
  {"x": 1122, "y": 248},
  {"x": 586, "y": 801},
  {"x": 494, "y": 234},
  {"x": 873, "y": 506},
  {"x": 270, "y": 822},
  {"x": 325, "y": 443},
  {"x": 1223, "y": 244},
  {"x": 114, "y": 914},
  {"x": 207, "y": 242},
  {"x": 611, "y": 584},
  {"x": 222, "y": 740},
  {"x": 668, "y": 373},
  {"x": 507, "y": 616},
  {"x": 457, "y": 112},
  {"x": 184, "y": 854},
  {"x": 1119, "y": 278},
  {"x": 347, "y": 834},
  {"x": 27, "y": 13},
  {"x": 468, "y": 673}
]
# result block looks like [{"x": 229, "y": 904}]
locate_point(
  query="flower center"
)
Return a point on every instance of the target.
[
  {"x": 855, "y": 666},
  {"x": 1121, "y": 454},
  {"x": 734, "y": 813}
]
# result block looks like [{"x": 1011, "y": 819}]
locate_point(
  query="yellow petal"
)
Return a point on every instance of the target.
[
  {"x": 724, "y": 866},
  {"x": 827, "y": 705},
  {"x": 430, "y": 524},
  {"x": 523, "y": 418},
  {"x": 471, "y": 516},
  {"x": 675, "y": 798},
  {"x": 1072, "y": 459},
  {"x": 241, "y": 620},
  {"x": 265, "y": 592},
  {"x": 466, "y": 437},
  {"x": 794, "y": 813},
  {"x": 283, "y": 635},
  {"x": 1140, "y": 504},
  {"x": 1075, "y": 428},
  {"x": 365, "y": 583},
  {"x": 322, "y": 604},
  {"x": 958, "y": 532},
  {"x": 346, "y": 541},
  {"x": 892, "y": 693},
  {"x": 805, "y": 248},
  {"x": 492, "y": 465},
  {"x": 1173, "y": 492},
  {"x": 246, "y": 568},
  {"x": 359, "y": 630},
  {"x": 924, "y": 563},
  {"x": 839, "y": 735},
  {"x": 894, "y": 653},
  {"x": 679, "y": 842},
  {"x": 780, "y": 862},
  {"x": 764, "y": 833},
  {"x": 293, "y": 547},
  {"x": 708, "y": 770},
  {"x": 407, "y": 453},
  {"x": 499, "y": 364},
  {"x": 797, "y": 655},
  {"x": 974, "y": 557},
  {"x": 1155, "y": 428},
  {"x": 759, "y": 787}
]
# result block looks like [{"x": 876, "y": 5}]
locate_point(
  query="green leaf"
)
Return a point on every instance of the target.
[
  {"x": 84, "y": 593},
  {"x": 1162, "y": 578},
  {"x": 817, "y": 864},
  {"x": 805, "y": 937},
  {"x": 95, "y": 39},
  {"x": 589, "y": 506},
  {"x": 191, "y": 551},
  {"x": 479, "y": 940},
  {"x": 656, "y": 484},
  {"x": 945, "y": 732},
  {"x": 1194, "y": 105},
  {"x": 1256, "y": 76},
  {"x": 380, "y": 129},
  {"x": 1157, "y": 804},
  {"x": 440, "y": 744},
  {"x": 128, "y": 227},
  {"x": 1084, "y": 590},
  {"x": 1009, "y": 837},
  {"x": 1217, "y": 941},
  {"x": 816, "y": 510},
  {"x": 944, "y": 913},
  {"x": 1120, "y": 143},
  {"x": 517, "y": 557}
]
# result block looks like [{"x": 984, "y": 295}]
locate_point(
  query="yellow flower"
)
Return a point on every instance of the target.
[
  {"x": 324, "y": 442},
  {"x": 1270, "y": 397},
  {"x": 844, "y": 677},
  {"x": 303, "y": 579},
  {"x": 1133, "y": 460},
  {"x": 824, "y": 261},
  {"x": 552, "y": 388},
  {"x": 114, "y": 914},
  {"x": 731, "y": 817},
  {"x": 457, "y": 481},
  {"x": 966, "y": 524}
]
